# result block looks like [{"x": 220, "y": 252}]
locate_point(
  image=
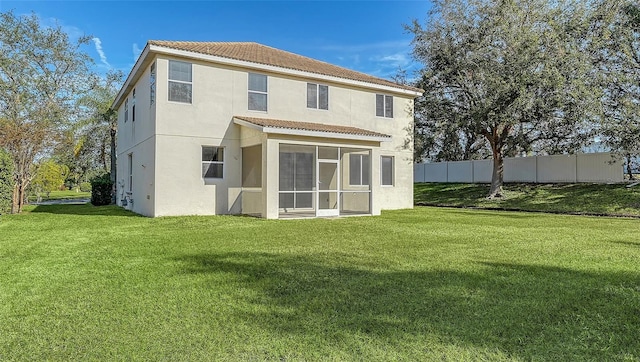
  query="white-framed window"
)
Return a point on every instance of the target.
[
  {"x": 152, "y": 84},
  {"x": 130, "y": 164},
  {"x": 257, "y": 92},
  {"x": 133, "y": 105},
  {"x": 126, "y": 109},
  {"x": 359, "y": 169},
  {"x": 212, "y": 162},
  {"x": 317, "y": 96},
  {"x": 384, "y": 106},
  {"x": 180, "y": 82},
  {"x": 386, "y": 170}
]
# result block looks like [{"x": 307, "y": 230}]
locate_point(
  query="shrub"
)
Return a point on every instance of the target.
[
  {"x": 101, "y": 188},
  {"x": 85, "y": 186},
  {"x": 6, "y": 182}
]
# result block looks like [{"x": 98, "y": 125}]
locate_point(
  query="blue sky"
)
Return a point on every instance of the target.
[{"x": 366, "y": 36}]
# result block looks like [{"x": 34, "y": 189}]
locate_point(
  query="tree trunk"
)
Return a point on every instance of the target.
[
  {"x": 497, "y": 175},
  {"x": 113, "y": 165},
  {"x": 19, "y": 196},
  {"x": 629, "y": 168}
]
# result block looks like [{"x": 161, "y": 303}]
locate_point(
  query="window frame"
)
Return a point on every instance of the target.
[
  {"x": 169, "y": 81},
  {"x": 203, "y": 162},
  {"x": 386, "y": 108},
  {"x": 265, "y": 92},
  {"x": 317, "y": 87},
  {"x": 152, "y": 84},
  {"x": 130, "y": 159},
  {"x": 360, "y": 171},
  {"x": 392, "y": 170},
  {"x": 126, "y": 109}
]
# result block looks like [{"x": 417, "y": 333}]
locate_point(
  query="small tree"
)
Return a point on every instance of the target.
[{"x": 50, "y": 176}]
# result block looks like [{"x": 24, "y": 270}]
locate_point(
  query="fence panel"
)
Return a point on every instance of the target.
[
  {"x": 520, "y": 169},
  {"x": 418, "y": 172},
  {"x": 460, "y": 171},
  {"x": 482, "y": 171},
  {"x": 599, "y": 167},
  {"x": 557, "y": 168},
  {"x": 435, "y": 172}
]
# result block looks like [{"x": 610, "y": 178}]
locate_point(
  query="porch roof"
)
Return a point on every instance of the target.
[{"x": 310, "y": 129}]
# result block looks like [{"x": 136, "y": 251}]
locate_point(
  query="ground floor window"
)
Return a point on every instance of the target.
[
  {"x": 386, "y": 170},
  {"x": 212, "y": 162}
]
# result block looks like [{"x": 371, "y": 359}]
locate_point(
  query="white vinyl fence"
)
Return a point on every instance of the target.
[{"x": 584, "y": 167}]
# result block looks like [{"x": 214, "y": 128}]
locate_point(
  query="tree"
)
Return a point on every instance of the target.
[
  {"x": 513, "y": 72},
  {"x": 6, "y": 181},
  {"x": 49, "y": 177},
  {"x": 42, "y": 73},
  {"x": 619, "y": 66},
  {"x": 88, "y": 149}
]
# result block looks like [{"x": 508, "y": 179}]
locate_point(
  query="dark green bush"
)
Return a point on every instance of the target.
[
  {"x": 6, "y": 181},
  {"x": 101, "y": 188}
]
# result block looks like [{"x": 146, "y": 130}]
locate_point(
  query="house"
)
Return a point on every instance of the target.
[{"x": 210, "y": 128}]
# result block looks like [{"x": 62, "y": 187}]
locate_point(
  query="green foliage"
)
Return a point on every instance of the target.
[
  {"x": 50, "y": 176},
  {"x": 43, "y": 73},
  {"x": 503, "y": 77},
  {"x": 101, "y": 190},
  {"x": 85, "y": 186},
  {"x": 6, "y": 181},
  {"x": 618, "y": 31},
  {"x": 429, "y": 284}
]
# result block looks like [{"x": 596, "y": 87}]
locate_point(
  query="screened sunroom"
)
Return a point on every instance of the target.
[{"x": 311, "y": 173}]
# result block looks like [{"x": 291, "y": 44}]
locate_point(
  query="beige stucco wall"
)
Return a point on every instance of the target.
[
  {"x": 138, "y": 139},
  {"x": 219, "y": 94}
]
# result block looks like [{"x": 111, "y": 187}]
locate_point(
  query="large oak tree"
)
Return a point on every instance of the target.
[{"x": 513, "y": 72}]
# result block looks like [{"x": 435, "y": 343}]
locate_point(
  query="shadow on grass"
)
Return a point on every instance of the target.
[
  {"x": 84, "y": 209},
  {"x": 574, "y": 198},
  {"x": 524, "y": 311}
]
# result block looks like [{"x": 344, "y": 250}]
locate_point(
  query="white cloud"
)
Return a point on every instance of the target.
[
  {"x": 136, "y": 52},
  {"x": 397, "y": 60},
  {"x": 103, "y": 57}
]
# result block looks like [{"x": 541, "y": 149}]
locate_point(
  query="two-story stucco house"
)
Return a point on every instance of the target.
[{"x": 208, "y": 128}]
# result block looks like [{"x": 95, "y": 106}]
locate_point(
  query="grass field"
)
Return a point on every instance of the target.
[
  {"x": 601, "y": 199},
  {"x": 99, "y": 283},
  {"x": 63, "y": 195}
]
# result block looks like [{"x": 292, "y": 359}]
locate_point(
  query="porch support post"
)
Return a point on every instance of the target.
[
  {"x": 270, "y": 170},
  {"x": 375, "y": 180}
]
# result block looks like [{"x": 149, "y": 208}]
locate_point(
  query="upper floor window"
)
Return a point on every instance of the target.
[
  {"x": 257, "y": 92},
  {"x": 359, "y": 169},
  {"x": 126, "y": 109},
  {"x": 317, "y": 96},
  {"x": 180, "y": 81},
  {"x": 384, "y": 106},
  {"x": 152, "y": 84},
  {"x": 386, "y": 170},
  {"x": 212, "y": 161},
  {"x": 133, "y": 107}
]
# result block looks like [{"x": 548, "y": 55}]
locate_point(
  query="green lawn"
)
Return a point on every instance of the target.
[
  {"x": 600, "y": 199},
  {"x": 98, "y": 283},
  {"x": 62, "y": 195}
]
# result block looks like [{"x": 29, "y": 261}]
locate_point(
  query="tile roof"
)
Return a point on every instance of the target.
[
  {"x": 261, "y": 54},
  {"x": 308, "y": 126}
]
